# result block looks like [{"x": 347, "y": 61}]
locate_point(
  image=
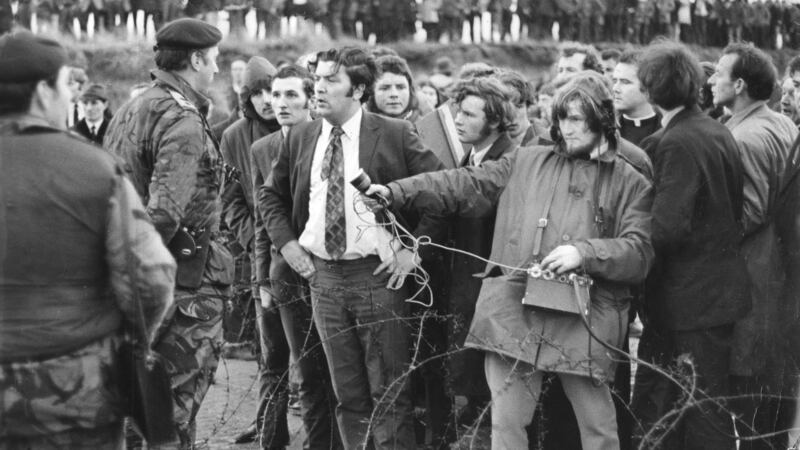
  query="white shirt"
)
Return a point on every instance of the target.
[
  {"x": 666, "y": 118},
  {"x": 96, "y": 125},
  {"x": 476, "y": 156},
  {"x": 364, "y": 238}
]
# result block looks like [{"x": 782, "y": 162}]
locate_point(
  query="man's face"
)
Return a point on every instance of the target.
[
  {"x": 520, "y": 121},
  {"x": 75, "y": 84},
  {"x": 569, "y": 65},
  {"x": 608, "y": 67},
  {"x": 237, "y": 72},
  {"x": 207, "y": 67},
  {"x": 578, "y": 138},
  {"x": 289, "y": 101},
  {"x": 795, "y": 76},
  {"x": 429, "y": 92},
  {"x": 336, "y": 96},
  {"x": 628, "y": 95},
  {"x": 94, "y": 108},
  {"x": 392, "y": 94},
  {"x": 261, "y": 103},
  {"x": 723, "y": 87},
  {"x": 788, "y": 106},
  {"x": 471, "y": 124}
]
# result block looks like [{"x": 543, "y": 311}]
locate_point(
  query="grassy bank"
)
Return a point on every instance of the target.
[{"x": 122, "y": 64}]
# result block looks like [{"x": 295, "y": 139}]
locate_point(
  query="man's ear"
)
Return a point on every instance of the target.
[
  {"x": 358, "y": 91},
  {"x": 195, "y": 59},
  {"x": 739, "y": 86}
]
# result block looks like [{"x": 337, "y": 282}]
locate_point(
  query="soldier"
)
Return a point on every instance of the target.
[
  {"x": 68, "y": 287},
  {"x": 164, "y": 139}
]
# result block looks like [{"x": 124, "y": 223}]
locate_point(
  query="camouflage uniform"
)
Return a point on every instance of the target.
[
  {"x": 70, "y": 287},
  {"x": 174, "y": 163}
]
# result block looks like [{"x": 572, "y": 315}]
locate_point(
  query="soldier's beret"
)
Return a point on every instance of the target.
[
  {"x": 25, "y": 57},
  {"x": 94, "y": 91},
  {"x": 187, "y": 33}
]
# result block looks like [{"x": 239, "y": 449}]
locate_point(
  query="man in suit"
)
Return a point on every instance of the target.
[
  {"x": 94, "y": 123},
  {"x": 484, "y": 113},
  {"x": 698, "y": 287},
  {"x": 356, "y": 269}
]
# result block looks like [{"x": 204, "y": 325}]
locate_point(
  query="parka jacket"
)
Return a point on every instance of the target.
[{"x": 519, "y": 185}]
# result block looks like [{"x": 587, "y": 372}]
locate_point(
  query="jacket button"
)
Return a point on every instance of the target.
[{"x": 565, "y": 238}]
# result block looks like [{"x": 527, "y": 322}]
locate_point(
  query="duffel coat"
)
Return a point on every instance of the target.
[{"x": 519, "y": 185}]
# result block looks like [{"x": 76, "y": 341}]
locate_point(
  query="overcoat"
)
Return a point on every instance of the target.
[{"x": 519, "y": 185}]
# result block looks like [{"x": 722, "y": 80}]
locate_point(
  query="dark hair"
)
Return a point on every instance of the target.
[
  {"x": 398, "y": 66},
  {"x": 594, "y": 96},
  {"x": 610, "y": 53},
  {"x": 476, "y": 70},
  {"x": 173, "y": 59},
  {"x": 516, "y": 82},
  {"x": 591, "y": 62},
  {"x": 794, "y": 65},
  {"x": 496, "y": 97},
  {"x": 297, "y": 71},
  {"x": 17, "y": 97},
  {"x": 358, "y": 65},
  {"x": 670, "y": 74},
  {"x": 632, "y": 57},
  {"x": 755, "y": 68}
]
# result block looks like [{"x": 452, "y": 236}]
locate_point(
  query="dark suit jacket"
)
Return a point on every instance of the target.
[
  {"x": 264, "y": 152},
  {"x": 699, "y": 280},
  {"x": 389, "y": 149},
  {"x": 83, "y": 129}
]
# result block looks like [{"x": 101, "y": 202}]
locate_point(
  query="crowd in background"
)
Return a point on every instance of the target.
[{"x": 767, "y": 23}]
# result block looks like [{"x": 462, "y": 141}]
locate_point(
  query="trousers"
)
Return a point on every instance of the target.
[
  {"x": 364, "y": 333},
  {"x": 515, "y": 388}
]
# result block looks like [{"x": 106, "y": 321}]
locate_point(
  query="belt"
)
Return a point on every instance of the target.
[{"x": 334, "y": 263}]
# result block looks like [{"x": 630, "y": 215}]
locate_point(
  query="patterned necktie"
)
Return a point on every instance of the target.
[{"x": 333, "y": 171}]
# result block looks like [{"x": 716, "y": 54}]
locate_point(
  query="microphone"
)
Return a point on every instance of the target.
[{"x": 362, "y": 182}]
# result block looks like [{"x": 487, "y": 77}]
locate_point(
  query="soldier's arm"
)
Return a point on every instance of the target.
[
  {"x": 176, "y": 169},
  {"x": 139, "y": 263}
]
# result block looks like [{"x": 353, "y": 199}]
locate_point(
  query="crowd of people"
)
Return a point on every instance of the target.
[
  {"x": 641, "y": 184},
  {"x": 767, "y": 23}
]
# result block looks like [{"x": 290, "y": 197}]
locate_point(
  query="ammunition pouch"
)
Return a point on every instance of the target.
[{"x": 190, "y": 246}]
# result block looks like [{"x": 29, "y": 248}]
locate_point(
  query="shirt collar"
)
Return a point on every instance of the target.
[
  {"x": 351, "y": 128},
  {"x": 638, "y": 120},
  {"x": 669, "y": 115},
  {"x": 94, "y": 124},
  {"x": 735, "y": 119}
]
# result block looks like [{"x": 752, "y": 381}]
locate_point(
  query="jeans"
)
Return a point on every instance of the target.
[
  {"x": 365, "y": 336},
  {"x": 515, "y": 387}
]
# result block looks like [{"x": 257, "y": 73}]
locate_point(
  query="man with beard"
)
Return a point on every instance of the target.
[
  {"x": 571, "y": 207},
  {"x": 164, "y": 141}
]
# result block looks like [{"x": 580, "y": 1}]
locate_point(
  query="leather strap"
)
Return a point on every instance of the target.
[{"x": 543, "y": 218}]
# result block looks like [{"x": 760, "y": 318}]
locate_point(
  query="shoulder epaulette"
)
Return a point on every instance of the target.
[{"x": 182, "y": 101}]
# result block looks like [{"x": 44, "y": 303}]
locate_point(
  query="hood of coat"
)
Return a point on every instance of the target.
[{"x": 257, "y": 76}]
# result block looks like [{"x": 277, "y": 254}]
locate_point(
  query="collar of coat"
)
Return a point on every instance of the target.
[
  {"x": 182, "y": 87},
  {"x": 24, "y": 122}
]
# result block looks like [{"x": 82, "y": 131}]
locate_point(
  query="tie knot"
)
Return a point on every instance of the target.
[{"x": 337, "y": 132}]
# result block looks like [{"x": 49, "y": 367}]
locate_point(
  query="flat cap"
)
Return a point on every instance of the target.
[
  {"x": 25, "y": 57},
  {"x": 94, "y": 91},
  {"x": 188, "y": 33}
]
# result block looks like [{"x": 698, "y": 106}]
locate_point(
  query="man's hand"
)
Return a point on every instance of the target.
[
  {"x": 381, "y": 190},
  {"x": 266, "y": 297},
  {"x": 298, "y": 259},
  {"x": 563, "y": 259},
  {"x": 399, "y": 265}
]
